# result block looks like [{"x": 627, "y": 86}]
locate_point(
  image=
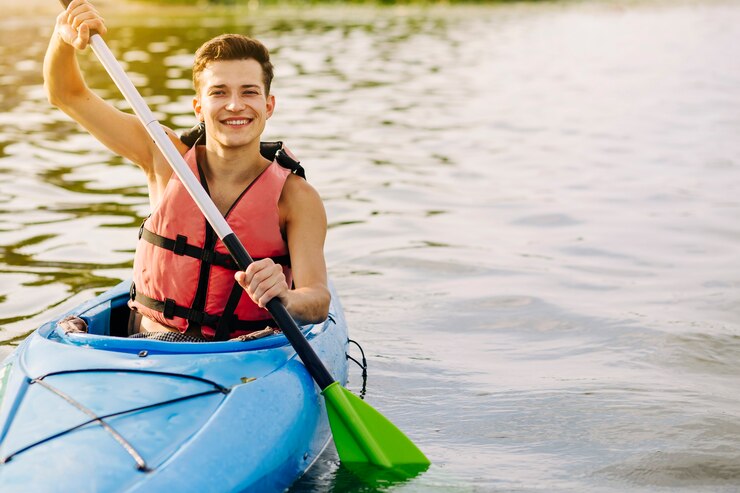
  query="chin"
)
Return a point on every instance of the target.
[{"x": 236, "y": 144}]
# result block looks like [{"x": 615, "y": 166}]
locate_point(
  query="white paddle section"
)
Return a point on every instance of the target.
[{"x": 154, "y": 128}]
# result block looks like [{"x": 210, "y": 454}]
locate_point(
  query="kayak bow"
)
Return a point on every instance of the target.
[{"x": 94, "y": 412}]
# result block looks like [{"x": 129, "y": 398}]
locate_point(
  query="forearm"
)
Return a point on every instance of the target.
[
  {"x": 63, "y": 80},
  {"x": 308, "y": 304}
]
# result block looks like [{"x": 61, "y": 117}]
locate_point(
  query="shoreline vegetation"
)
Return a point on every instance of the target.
[
  {"x": 40, "y": 14},
  {"x": 37, "y": 7}
]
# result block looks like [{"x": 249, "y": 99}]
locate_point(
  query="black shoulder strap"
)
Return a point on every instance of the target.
[
  {"x": 288, "y": 162},
  {"x": 272, "y": 151},
  {"x": 192, "y": 136}
]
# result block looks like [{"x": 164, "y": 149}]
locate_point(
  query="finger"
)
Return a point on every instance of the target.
[
  {"x": 95, "y": 26},
  {"x": 255, "y": 290},
  {"x": 99, "y": 26},
  {"x": 75, "y": 10},
  {"x": 245, "y": 281},
  {"x": 83, "y": 37},
  {"x": 257, "y": 272},
  {"x": 262, "y": 281},
  {"x": 265, "y": 278},
  {"x": 88, "y": 17},
  {"x": 271, "y": 293},
  {"x": 74, "y": 4},
  {"x": 256, "y": 279},
  {"x": 80, "y": 8},
  {"x": 75, "y": 22},
  {"x": 258, "y": 265},
  {"x": 267, "y": 291}
]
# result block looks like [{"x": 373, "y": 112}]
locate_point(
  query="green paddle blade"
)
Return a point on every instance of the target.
[{"x": 364, "y": 436}]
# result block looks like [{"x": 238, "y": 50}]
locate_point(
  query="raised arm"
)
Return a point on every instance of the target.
[{"x": 65, "y": 87}]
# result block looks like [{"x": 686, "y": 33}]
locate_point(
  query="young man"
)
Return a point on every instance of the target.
[{"x": 183, "y": 279}]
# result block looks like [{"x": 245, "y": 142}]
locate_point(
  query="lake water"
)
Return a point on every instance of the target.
[{"x": 533, "y": 220}]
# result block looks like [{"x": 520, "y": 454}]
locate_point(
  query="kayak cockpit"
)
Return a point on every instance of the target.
[{"x": 107, "y": 328}]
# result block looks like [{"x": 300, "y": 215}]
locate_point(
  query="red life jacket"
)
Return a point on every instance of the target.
[{"x": 183, "y": 274}]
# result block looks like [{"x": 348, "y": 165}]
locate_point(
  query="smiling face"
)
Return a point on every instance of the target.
[{"x": 232, "y": 101}]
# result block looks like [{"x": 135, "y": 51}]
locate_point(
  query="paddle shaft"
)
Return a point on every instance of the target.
[{"x": 232, "y": 243}]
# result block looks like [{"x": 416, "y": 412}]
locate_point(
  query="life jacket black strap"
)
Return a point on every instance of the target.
[
  {"x": 224, "y": 327},
  {"x": 170, "y": 309},
  {"x": 269, "y": 150},
  {"x": 180, "y": 246}
]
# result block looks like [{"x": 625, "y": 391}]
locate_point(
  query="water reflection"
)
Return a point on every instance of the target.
[
  {"x": 72, "y": 178},
  {"x": 532, "y": 220}
]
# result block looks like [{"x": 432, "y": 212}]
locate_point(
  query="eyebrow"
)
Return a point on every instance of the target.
[{"x": 243, "y": 86}]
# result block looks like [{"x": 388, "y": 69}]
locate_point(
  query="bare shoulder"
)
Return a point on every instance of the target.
[
  {"x": 300, "y": 199},
  {"x": 160, "y": 167},
  {"x": 160, "y": 172},
  {"x": 298, "y": 192}
]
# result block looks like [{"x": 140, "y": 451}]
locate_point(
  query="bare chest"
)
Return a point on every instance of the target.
[{"x": 225, "y": 196}]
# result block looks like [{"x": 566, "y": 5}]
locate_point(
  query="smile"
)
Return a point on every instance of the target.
[{"x": 237, "y": 122}]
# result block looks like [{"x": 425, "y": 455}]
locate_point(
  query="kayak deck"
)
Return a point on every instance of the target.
[{"x": 215, "y": 416}]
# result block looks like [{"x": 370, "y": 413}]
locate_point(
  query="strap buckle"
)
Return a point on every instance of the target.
[
  {"x": 169, "y": 308},
  {"x": 196, "y": 316},
  {"x": 180, "y": 243}
]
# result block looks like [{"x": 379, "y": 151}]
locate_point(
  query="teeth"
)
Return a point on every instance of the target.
[{"x": 237, "y": 122}]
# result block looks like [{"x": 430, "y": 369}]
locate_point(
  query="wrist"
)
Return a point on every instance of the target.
[
  {"x": 58, "y": 39},
  {"x": 286, "y": 299}
]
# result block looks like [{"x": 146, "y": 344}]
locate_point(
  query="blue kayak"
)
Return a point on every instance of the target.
[{"x": 100, "y": 413}]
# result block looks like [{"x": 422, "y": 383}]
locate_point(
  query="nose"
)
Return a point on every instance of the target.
[{"x": 235, "y": 104}]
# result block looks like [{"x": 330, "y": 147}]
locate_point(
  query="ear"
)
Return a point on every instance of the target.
[
  {"x": 197, "y": 108},
  {"x": 270, "y": 105}
]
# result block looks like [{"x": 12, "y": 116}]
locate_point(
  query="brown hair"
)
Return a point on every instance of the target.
[{"x": 233, "y": 47}]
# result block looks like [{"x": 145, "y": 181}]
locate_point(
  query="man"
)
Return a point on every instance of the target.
[{"x": 183, "y": 281}]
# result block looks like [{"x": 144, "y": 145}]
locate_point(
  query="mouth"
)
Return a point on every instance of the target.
[{"x": 237, "y": 122}]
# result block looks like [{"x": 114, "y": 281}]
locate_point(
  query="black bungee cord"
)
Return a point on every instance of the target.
[
  {"x": 362, "y": 365},
  {"x": 94, "y": 418}
]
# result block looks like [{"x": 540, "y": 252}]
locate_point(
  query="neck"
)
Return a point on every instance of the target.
[{"x": 233, "y": 164}]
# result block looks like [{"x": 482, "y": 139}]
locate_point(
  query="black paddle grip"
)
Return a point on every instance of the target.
[
  {"x": 237, "y": 251},
  {"x": 296, "y": 338}
]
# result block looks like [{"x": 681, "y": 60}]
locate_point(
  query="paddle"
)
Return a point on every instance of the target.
[{"x": 361, "y": 434}]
